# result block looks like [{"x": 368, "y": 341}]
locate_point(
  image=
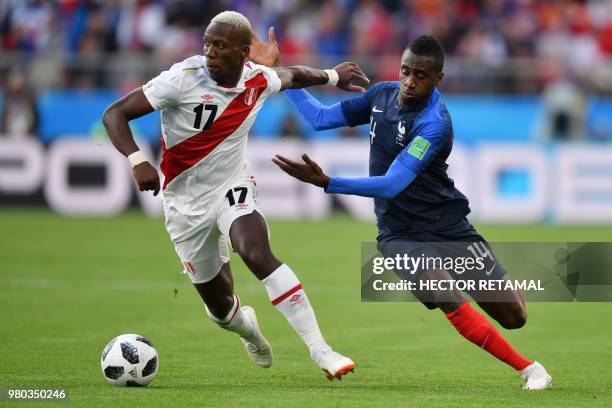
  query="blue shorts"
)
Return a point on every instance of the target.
[{"x": 457, "y": 249}]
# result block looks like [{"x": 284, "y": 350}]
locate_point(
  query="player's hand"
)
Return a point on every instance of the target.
[
  {"x": 146, "y": 177},
  {"x": 349, "y": 72},
  {"x": 309, "y": 172},
  {"x": 265, "y": 53}
]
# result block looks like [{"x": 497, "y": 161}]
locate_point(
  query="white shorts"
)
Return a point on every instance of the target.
[{"x": 201, "y": 240}]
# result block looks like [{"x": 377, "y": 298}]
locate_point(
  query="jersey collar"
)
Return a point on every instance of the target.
[{"x": 433, "y": 99}]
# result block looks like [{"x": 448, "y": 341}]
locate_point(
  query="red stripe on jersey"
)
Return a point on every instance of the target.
[
  {"x": 287, "y": 294},
  {"x": 190, "y": 151}
]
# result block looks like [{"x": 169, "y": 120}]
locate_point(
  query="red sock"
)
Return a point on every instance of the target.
[{"x": 474, "y": 327}]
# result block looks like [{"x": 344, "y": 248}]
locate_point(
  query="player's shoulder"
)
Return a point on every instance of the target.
[
  {"x": 251, "y": 70},
  {"x": 252, "y": 67},
  {"x": 192, "y": 67},
  {"x": 260, "y": 76},
  {"x": 383, "y": 87},
  {"x": 434, "y": 115},
  {"x": 191, "y": 64}
]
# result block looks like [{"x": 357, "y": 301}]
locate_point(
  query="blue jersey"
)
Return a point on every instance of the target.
[{"x": 422, "y": 140}]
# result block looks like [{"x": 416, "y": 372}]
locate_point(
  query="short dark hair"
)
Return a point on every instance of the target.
[{"x": 428, "y": 46}]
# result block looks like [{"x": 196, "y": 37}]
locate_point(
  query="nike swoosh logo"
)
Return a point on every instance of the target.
[
  {"x": 490, "y": 271},
  {"x": 376, "y": 110}
]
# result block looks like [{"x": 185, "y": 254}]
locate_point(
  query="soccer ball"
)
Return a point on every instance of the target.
[{"x": 129, "y": 360}]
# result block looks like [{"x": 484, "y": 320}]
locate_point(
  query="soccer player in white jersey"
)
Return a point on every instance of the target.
[{"x": 208, "y": 104}]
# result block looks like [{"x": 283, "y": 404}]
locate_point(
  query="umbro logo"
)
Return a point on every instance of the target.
[
  {"x": 207, "y": 97},
  {"x": 294, "y": 298},
  {"x": 376, "y": 110}
]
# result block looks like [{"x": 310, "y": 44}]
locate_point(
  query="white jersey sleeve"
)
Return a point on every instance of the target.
[
  {"x": 274, "y": 82},
  {"x": 163, "y": 91}
]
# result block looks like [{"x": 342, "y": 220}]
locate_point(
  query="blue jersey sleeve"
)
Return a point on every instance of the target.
[
  {"x": 357, "y": 110},
  {"x": 319, "y": 116},
  {"x": 396, "y": 179},
  {"x": 430, "y": 138}
]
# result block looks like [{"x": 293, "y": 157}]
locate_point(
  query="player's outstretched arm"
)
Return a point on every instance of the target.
[
  {"x": 319, "y": 116},
  {"x": 115, "y": 119},
  {"x": 309, "y": 172},
  {"x": 404, "y": 169},
  {"x": 397, "y": 178},
  {"x": 344, "y": 76}
]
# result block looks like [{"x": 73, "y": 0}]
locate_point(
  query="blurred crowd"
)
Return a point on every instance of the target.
[
  {"x": 561, "y": 49},
  {"x": 77, "y": 39}
]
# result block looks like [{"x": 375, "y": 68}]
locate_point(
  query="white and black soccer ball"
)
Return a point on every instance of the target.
[{"x": 129, "y": 360}]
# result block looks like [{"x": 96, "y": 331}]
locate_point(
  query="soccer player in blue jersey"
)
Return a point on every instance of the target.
[{"x": 416, "y": 203}]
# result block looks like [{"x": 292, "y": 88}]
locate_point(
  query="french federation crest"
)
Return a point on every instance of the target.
[
  {"x": 401, "y": 132},
  {"x": 249, "y": 96}
]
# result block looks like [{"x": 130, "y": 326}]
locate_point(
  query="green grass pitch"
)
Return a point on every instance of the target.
[{"x": 69, "y": 285}]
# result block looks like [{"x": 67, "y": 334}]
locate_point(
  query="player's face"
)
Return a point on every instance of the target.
[
  {"x": 418, "y": 77},
  {"x": 225, "y": 52}
]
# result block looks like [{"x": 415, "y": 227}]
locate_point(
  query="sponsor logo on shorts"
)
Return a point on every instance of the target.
[{"x": 189, "y": 267}]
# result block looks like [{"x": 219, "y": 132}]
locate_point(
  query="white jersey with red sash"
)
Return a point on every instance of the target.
[{"x": 205, "y": 128}]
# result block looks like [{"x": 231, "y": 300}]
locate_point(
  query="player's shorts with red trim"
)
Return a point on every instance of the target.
[{"x": 201, "y": 239}]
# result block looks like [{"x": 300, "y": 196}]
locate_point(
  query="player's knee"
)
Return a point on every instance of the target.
[
  {"x": 446, "y": 300},
  {"x": 430, "y": 305},
  {"x": 515, "y": 320},
  {"x": 254, "y": 255},
  {"x": 257, "y": 260}
]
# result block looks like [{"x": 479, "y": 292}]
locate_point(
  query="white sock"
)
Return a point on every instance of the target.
[
  {"x": 286, "y": 294},
  {"x": 236, "y": 320}
]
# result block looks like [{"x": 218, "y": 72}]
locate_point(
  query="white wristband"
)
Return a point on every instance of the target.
[
  {"x": 332, "y": 76},
  {"x": 136, "y": 158}
]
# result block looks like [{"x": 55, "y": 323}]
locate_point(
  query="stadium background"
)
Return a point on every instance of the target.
[{"x": 529, "y": 87}]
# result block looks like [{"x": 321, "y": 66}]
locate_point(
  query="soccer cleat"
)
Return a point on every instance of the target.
[
  {"x": 257, "y": 347},
  {"x": 536, "y": 377},
  {"x": 334, "y": 365}
]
